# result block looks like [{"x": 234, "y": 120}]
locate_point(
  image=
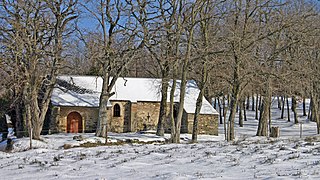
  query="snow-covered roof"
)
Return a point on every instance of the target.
[{"x": 84, "y": 91}]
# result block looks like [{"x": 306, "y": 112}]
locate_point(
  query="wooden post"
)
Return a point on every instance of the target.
[{"x": 275, "y": 132}]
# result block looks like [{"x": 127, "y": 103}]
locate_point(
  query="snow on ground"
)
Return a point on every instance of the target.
[{"x": 248, "y": 157}]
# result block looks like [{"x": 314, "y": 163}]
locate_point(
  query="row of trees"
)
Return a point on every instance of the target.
[
  {"x": 234, "y": 48},
  {"x": 32, "y": 43}
]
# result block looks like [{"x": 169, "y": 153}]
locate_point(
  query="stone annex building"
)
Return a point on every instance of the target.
[{"x": 134, "y": 106}]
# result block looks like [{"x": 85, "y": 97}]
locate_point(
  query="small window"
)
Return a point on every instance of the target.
[{"x": 116, "y": 110}]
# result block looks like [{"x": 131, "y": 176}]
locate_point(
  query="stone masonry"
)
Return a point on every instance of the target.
[{"x": 133, "y": 117}]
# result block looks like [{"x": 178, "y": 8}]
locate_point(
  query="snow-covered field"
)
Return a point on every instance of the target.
[{"x": 249, "y": 157}]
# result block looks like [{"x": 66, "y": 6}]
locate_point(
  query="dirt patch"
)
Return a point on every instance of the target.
[{"x": 118, "y": 143}]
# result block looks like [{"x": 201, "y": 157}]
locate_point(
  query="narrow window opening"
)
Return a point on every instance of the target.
[{"x": 116, "y": 110}]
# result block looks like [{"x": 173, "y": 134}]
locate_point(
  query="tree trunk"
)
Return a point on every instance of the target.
[
  {"x": 279, "y": 102},
  {"x": 233, "y": 108},
  {"x": 29, "y": 123},
  {"x": 270, "y": 120},
  {"x": 244, "y": 112},
  {"x": 184, "y": 71},
  {"x": 304, "y": 107},
  {"x": 283, "y": 104},
  {"x": 224, "y": 117},
  {"x": 264, "y": 117},
  {"x": 294, "y": 109},
  {"x": 312, "y": 110},
  {"x": 215, "y": 103},
  {"x": 28, "y": 113},
  {"x": 176, "y": 139},
  {"x": 309, "y": 111},
  {"x": 315, "y": 110},
  {"x": 196, "y": 115},
  {"x": 248, "y": 103},
  {"x": 163, "y": 107},
  {"x": 41, "y": 109},
  {"x": 241, "y": 108},
  {"x": 257, "y": 107},
  {"x": 172, "y": 118},
  {"x": 252, "y": 105},
  {"x": 265, "y": 111},
  {"x": 21, "y": 128},
  {"x": 3, "y": 126},
  {"x": 220, "y": 111},
  {"x": 36, "y": 109},
  {"x": 102, "y": 125},
  {"x": 288, "y": 109},
  {"x": 260, "y": 103},
  {"x": 224, "y": 105}
]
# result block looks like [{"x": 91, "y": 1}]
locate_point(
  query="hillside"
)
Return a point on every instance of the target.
[{"x": 248, "y": 157}]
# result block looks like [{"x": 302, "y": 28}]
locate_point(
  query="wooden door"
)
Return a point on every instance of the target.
[{"x": 74, "y": 124}]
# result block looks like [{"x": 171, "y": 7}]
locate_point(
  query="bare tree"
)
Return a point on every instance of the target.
[
  {"x": 243, "y": 30},
  {"x": 33, "y": 33},
  {"x": 207, "y": 49},
  {"x": 190, "y": 15},
  {"x": 115, "y": 49},
  {"x": 283, "y": 55},
  {"x": 161, "y": 28}
]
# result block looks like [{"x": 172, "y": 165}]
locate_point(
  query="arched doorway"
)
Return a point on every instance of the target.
[{"x": 74, "y": 123}]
